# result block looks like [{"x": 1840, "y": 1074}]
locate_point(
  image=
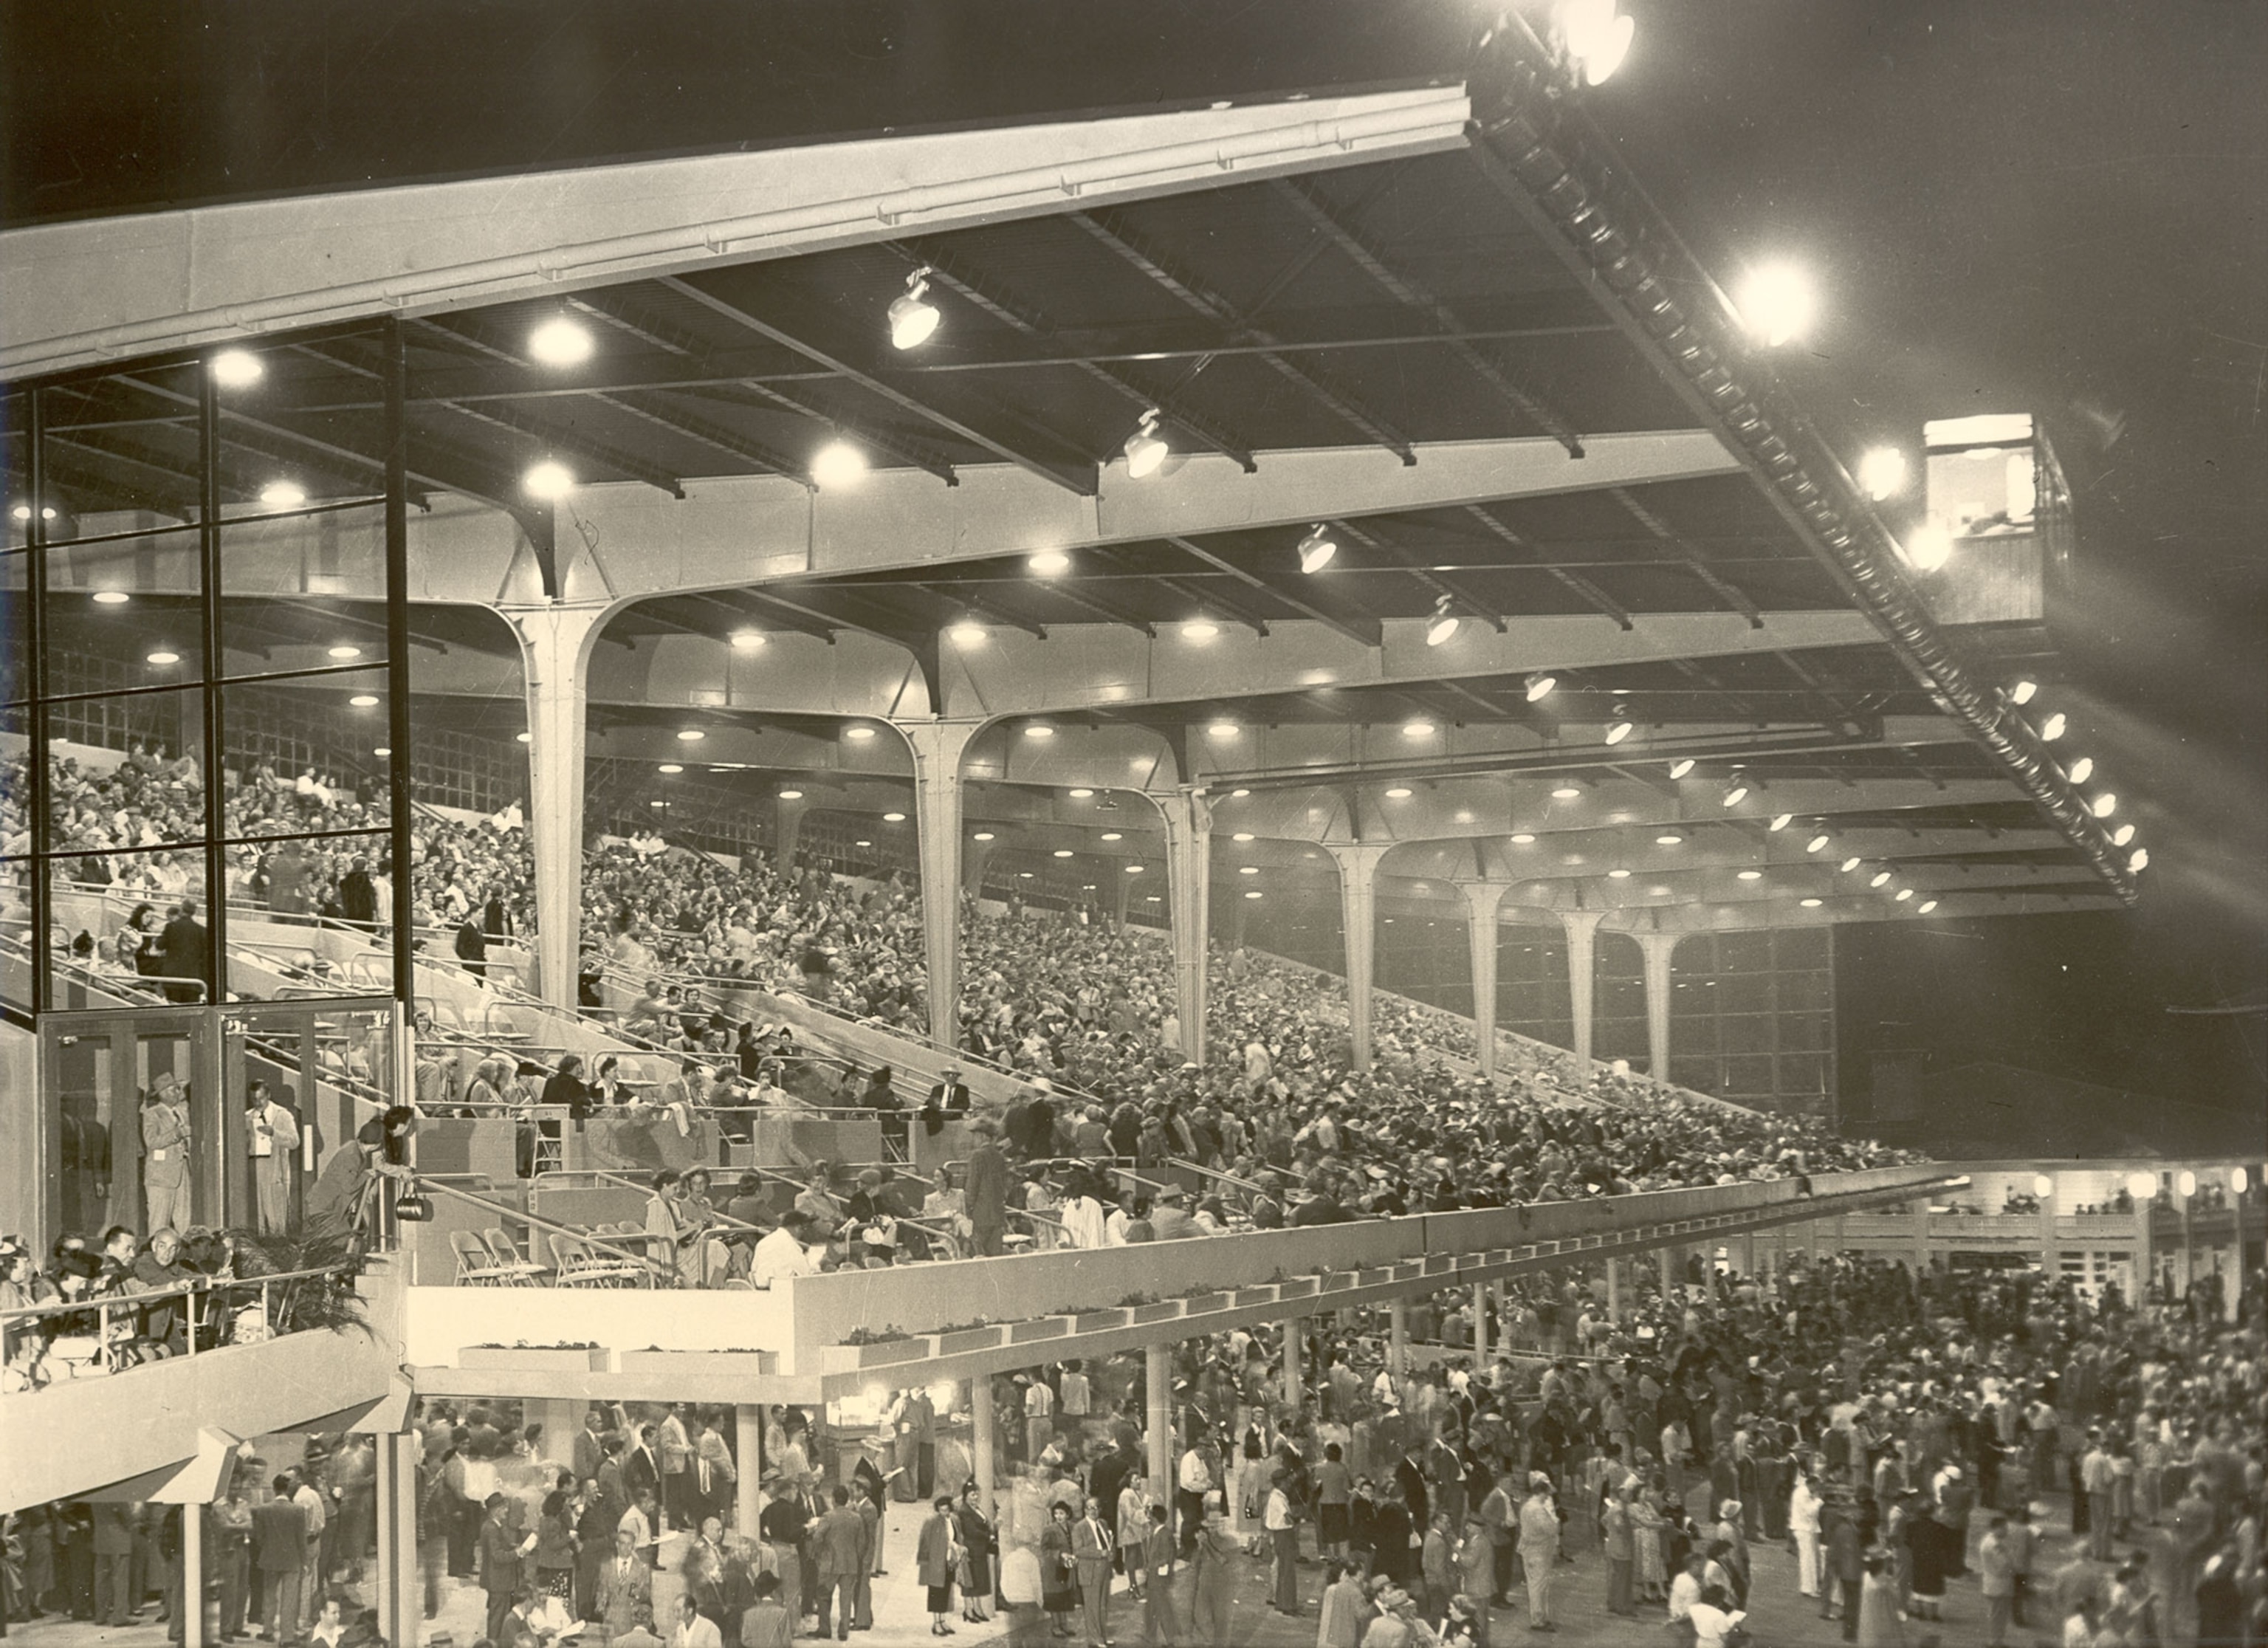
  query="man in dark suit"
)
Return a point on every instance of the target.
[
  {"x": 358, "y": 895},
  {"x": 590, "y": 1445},
  {"x": 987, "y": 1190},
  {"x": 499, "y": 1557},
  {"x": 949, "y": 1099},
  {"x": 279, "y": 1551},
  {"x": 186, "y": 953},
  {"x": 641, "y": 1469}
]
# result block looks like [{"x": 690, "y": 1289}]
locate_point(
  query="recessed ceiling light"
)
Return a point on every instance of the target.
[
  {"x": 657, "y": 802},
  {"x": 1039, "y": 730},
  {"x": 1752, "y": 875},
  {"x": 893, "y": 817},
  {"x": 690, "y": 735},
  {"x": 2022, "y": 691},
  {"x": 1417, "y": 729},
  {"x": 525, "y": 738},
  {"x": 1618, "y": 875},
  {"x": 1848, "y": 865},
  {"x": 791, "y": 795},
  {"x": 1781, "y": 820},
  {"x": 1112, "y": 835},
  {"x": 237, "y": 369},
  {"x": 1903, "y": 894},
  {"x": 838, "y": 465},
  {"x": 2139, "y": 859},
  {"x": 670, "y": 767},
  {"x": 982, "y": 835},
  {"x": 282, "y": 494},
  {"x": 1925, "y": 907},
  {"x": 2103, "y": 805},
  {"x": 363, "y": 701},
  {"x": 110, "y": 598},
  {"x": 1679, "y": 768},
  {"x": 2081, "y": 770},
  {"x": 550, "y": 480},
  {"x": 2051, "y": 729},
  {"x": 868, "y": 843},
  {"x": 2124, "y": 834},
  {"x": 1813, "y": 904},
  {"x": 1256, "y": 893},
  {"x": 342, "y": 650},
  {"x": 1133, "y": 869},
  {"x": 1881, "y": 878},
  {"x": 858, "y": 734},
  {"x": 560, "y": 342},
  {"x": 1062, "y": 852},
  {"x": 1239, "y": 795},
  {"x": 1049, "y": 563},
  {"x": 1737, "y": 794},
  {"x": 1523, "y": 839},
  {"x": 1400, "y": 792},
  {"x": 1247, "y": 870},
  {"x": 1669, "y": 840},
  {"x": 381, "y": 751},
  {"x": 1567, "y": 792},
  {"x": 749, "y": 640},
  {"x": 967, "y": 633},
  {"x": 1223, "y": 730},
  {"x": 1200, "y": 629},
  {"x": 1817, "y": 843},
  {"x": 1079, "y": 794},
  {"x": 163, "y": 657}
]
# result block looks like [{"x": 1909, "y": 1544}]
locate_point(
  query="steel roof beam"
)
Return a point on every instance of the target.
[
  {"x": 1361, "y": 627},
  {"x": 1413, "y": 296},
  {"x": 1112, "y": 233},
  {"x": 1723, "y": 589}
]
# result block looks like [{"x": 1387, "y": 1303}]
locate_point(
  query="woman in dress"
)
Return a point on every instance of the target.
[
  {"x": 1648, "y": 1523},
  {"x": 936, "y": 1562},
  {"x": 1059, "y": 1571},
  {"x": 976, "y": 1546},
  {"x": 554, "y": 1547},
  {"x": 1880, "y": 1625}
]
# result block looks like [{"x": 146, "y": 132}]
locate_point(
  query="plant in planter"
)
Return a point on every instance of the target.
[{"x": 875, "y": 1336}]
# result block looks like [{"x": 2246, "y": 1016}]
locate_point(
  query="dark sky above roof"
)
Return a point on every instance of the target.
[{"x": 2053, "y": 205}]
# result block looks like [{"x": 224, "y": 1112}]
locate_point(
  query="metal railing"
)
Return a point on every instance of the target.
[{"x": 111, "y": 1351}]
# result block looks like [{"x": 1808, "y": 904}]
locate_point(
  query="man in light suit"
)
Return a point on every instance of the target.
[
  {"x": 165, "y": 1154},
  {"x": 1091, "y": 1545},
  {"x": 624, "y": 1590}
]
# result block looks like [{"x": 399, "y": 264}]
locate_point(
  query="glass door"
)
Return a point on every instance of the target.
[{"x": 133, "y": 1133}]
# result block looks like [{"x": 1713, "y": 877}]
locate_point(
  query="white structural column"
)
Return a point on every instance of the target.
[
  {"x": 1483, "y": 899},
  {"x": 1293, "y": 1330},
  {"x": 193, "y": 1576},
  {"x": 748, "y": 1454},
  {"x": 1358, "y": 863},
  {"x": 937, "y": 748},
  {"x": 1188, "y": 878},
  {"x": 400, "y": 1605},
  {"x": 555, "y": 647},
  {"x": 1397, "y": 1337},
  {"x": 983, "y": 1442},
  {"x": 1657, "y": 948},
  {"x": 788, "y": 826},
  {"x": 1582, "y": 950},
  {"x": 1158, "y": 1392}
]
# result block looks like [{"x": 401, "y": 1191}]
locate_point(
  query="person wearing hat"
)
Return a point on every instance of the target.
[
  {"x": 165, "y": 1154},
  {"x": 948, "y": 1100},
  {"x": 987, "y": 1189},
  {"x": 1539, "y": 1549}
]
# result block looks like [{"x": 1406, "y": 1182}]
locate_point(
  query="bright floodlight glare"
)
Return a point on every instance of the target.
[
  {"x": 1400, "y": 792},
  {"x": 1145, "y": 450},
  {"x": 2186, "y": 1182},
  {"x": 548, "y": 480},
  {"x": 2142, "y": 1185},
  {"x": 1848, "y": 865},
  {"x": 2051, "y": 729},
  {"x": 1679, "y": 768},
  {"x": 363, "y": 701},
  {"x": 237, "y": 369},
  {"x": 560, "y": 342},
  {"x": 111, "y": 598},
  {"x": 838, "y": 464},
  {"x": 22, "y": 513},
  {"x": 1200, "y": 629},
  {"x": 1929, "y": 548},
  {"x": 1222, "y": 730},
  {"x": 2124, "y": 834},
  {"x": 164, "y": 656},
  {"x": 2239, "y": 1180},
  {"x": 2082, "y": 770},
  {"x": 2022, "y": 691},
  {"x": 2139, "y": 859},
  {"x": 1418, "y": 730},
  {"x": 1817, "y": 843},
  {"x": 1883, "y": 473},
  {"x": 1039, "y": 730},
  {"x": 1618, "y": 732},
  {"x": 747, "y": 640},
  {"x": 282, "y": 494},
  {"x": 913, "y": 318},
  {"x": 2103, "y": 805},
  {"x": 1597, "y": 39},
  {"x": 967, "y": 633},
  {"x": 1881, "y": 878},
  {"x": 1737, "y": 794},
  {"x": 2042, "y": 1185},
  {"x": 1538, "y": 686},
  {"x": 1317, "y": 548},
  {"x": 1049, "y": 563},
  {"x": 1776, "y": 303},
  {"x": 1781, "y": 820},
  {"x": 1444, "y": 625}
]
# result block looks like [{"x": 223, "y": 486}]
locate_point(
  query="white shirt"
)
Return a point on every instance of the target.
[
  {"x": 1020, "y": 1576},
  {"x": 1195, "y": 1478},
  {"x": 697, "y": 1633},
  {"x": 1711, "y": 1623},
  {"x": 1277, "y": 1516},
  {"x": 270, "y": 1125},
  {"x": 1076, "y": 1398},
  {"x": 780, "y": 1254},
  {"x": 1684, "y": 1595}
]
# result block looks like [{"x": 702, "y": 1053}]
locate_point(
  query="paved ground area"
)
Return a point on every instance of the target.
[{"x": 1779, "y": 1617}]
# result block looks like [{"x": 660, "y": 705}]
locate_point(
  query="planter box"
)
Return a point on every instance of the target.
[
  {"x": 1246, "y": 1296},
  {"x": 536, "y": 1359},
  {"x": 1039, "y": 1328},
  {"x": 1297, "y": 1287},
  {"x": 969, "y": 1339},
  {"x": 1378, "y": 1278},
  {"x": 1198, "y": 1304},
  {"x": 1099, "y": 1320},
  {"x": 1338, "y": 1281},
  {"x": 1434, "y": 1265},
  {"x": 1164, "y": 1310},
  {"x": 1409, "y": 1268},
  {"x": 889, "y": 1351},
  {"x": 675, "y": 1361}
]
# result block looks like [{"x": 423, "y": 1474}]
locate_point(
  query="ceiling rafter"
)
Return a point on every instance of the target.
[
  {"x": 984, "y": 609},
  {"x": 1717, "y": 585},
  {"x": 1441, "y": 585},
  {"x": 1364, "y": 629},
  {"x": 1334, "y": 225},
  {"x": 1110, "y": 231},
  {"x": 1022, "y": 317},
  {"x": 1079, "y": 479},
  {"x": 1235, "y": 611},
  {"x": 1582, "y": 587}
]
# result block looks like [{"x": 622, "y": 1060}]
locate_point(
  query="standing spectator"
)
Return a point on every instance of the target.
[
  {"x": 1091, "y": 1546},
  {"x": 279, "y": 1551},
  {"x": 1539, "y": 1547},
  {"x": 272, "y": 1145},
  {"x": 936, "y": 1563},
  {"x": 165, "y": 1154},
  {"x": 183, "y": 954}
]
